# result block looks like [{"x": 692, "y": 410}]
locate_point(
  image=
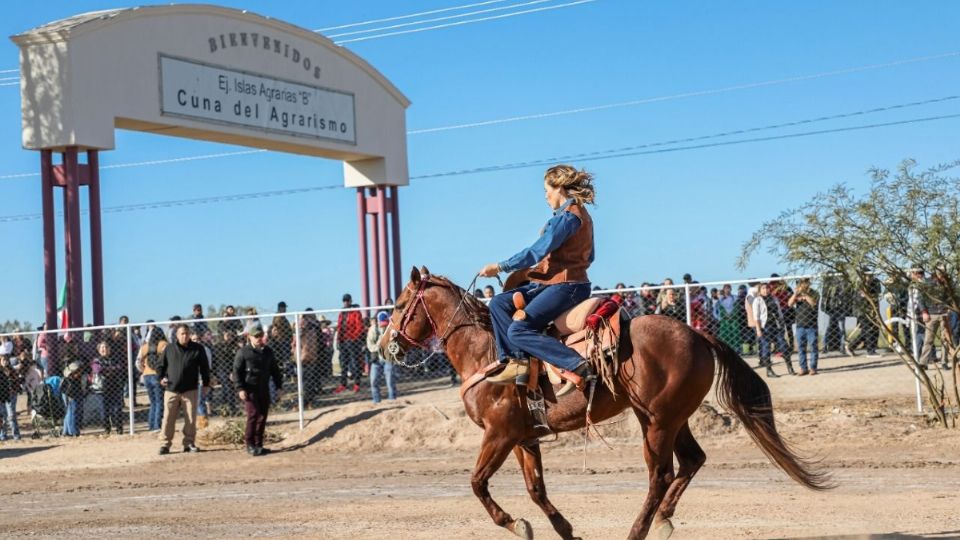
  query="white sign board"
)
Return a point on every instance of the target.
[{"x": 221, "y": 95}]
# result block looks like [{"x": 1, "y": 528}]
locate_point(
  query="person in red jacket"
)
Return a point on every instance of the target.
[{"x": 350, "y": 340}]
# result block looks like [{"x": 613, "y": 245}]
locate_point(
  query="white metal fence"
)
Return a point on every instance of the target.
[{"x": 68, "y": 381}]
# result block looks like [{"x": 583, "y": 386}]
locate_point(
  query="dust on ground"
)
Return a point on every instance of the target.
[{"x": 402, "y": 469}]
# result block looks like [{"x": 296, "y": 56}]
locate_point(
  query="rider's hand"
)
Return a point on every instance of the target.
[{"x": 490, "y": 270}]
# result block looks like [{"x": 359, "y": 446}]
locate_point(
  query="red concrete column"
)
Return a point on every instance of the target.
[
  {"x": 364, "y": 268},
  {"x": 49, "y": 239},
  {"x": 96, "y": 238},
  {"x": 384, "y": 245},
  {"x": 74, "y": 260},
  {"x": 395, "y": 232},
  {"x": 377, "y": 299}
]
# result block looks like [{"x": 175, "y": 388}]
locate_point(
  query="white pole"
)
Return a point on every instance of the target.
[
  {"x": 299, "y": 320},
  {"x": 916, "y": 358},
  {"x": 130, "y": 382},
  {"x": 686, "y": 294}
]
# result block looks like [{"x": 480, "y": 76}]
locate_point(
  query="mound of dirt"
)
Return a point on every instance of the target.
[
  {"x": 404, "y": 424},
  {"x": 708, "y": 421},
  {"x": 394, "y": 426}
]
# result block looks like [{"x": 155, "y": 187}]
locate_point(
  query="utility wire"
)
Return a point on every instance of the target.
[
  {"x": 683, "y": 95},
  {"x": 152, "y": 162},
  {"x": 438, "y": 19},
  {"x": 410, "y": 16},
  {"x": 597, "y": 156},
  {"x": 627, "y": 148},
  {"x": 592, "y": 156},
  {"x": 461, "y": 23},
  {"x": 184, "y": 202},
  {"x": 435, "y": 27}
]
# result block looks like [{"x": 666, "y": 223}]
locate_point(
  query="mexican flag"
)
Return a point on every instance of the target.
[{"x": 62, "y": 307}]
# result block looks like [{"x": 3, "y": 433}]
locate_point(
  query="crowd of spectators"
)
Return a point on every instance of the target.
[{"x": 88, "y": 370}]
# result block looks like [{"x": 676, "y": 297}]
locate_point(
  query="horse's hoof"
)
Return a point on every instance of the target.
[
  {"x": 664, "y": 529},
  {"x": 523, "y": 529}
]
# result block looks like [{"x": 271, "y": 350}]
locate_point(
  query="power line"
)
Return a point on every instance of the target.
[
  {"x": 151, "y": 162},
  {"x": 438, "y": 19},
  {"x": 410, "y": 16},
  {"x": 648, "y": 145},
  {"x": 184, "y": 202},
  {"x": 683, "y": 95},
  {"x": 592, "y": 156},
  {"x": 460, "y": 23},
  {"x": 435, "y": 27},
  {"x": 602, "y": 155}
]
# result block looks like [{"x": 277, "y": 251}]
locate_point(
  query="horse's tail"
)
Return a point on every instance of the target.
[{"x": 741, "y": 391}]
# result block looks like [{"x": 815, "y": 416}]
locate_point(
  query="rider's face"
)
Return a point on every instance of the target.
[{"x": 554, "y": 195}]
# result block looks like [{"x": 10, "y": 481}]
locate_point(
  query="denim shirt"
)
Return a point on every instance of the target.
[{"x": 558, "y": 229}]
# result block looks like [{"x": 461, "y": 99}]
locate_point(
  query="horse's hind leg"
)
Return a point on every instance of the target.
[
  {"x": 493, "y": 451},
  {"x": 658, "y": 452},
  {"x": 532, "y": 465},
  {"x": 691, "y": 458}
]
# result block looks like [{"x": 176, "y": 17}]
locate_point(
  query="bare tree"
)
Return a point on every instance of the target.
[{"x": 906, "y": 220}]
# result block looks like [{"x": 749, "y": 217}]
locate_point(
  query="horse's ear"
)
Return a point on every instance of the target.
[
  {"x": 424, "y": 272},
  {"x": 415, "y": 276}
]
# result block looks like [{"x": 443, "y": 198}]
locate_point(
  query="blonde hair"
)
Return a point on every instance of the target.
[{"x": 577, "y": 184}]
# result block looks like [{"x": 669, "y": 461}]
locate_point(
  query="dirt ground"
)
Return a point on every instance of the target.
[{"x": 401, "y": 470}]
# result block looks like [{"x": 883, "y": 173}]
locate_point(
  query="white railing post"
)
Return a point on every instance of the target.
[
  {"x": 686, "y": 294},
  {"x": 299, "y": 320},
  {"x": 912, "y": 317},
  {"x": 132, "y": 392}
]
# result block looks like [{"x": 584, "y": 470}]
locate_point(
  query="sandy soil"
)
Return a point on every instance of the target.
[{"x": 401, "y": 470}]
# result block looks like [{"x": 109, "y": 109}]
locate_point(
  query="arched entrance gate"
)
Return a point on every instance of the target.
[{"x": 210, "y": 73}]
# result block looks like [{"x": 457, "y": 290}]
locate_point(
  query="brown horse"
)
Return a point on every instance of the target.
[{"x": 666, "y": 369}]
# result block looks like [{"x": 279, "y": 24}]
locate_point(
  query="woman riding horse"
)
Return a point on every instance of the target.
[{"x": 558, "y": 282}]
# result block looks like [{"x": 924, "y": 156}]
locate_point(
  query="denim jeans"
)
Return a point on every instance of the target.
[
  {"x": 155, "y": 394},
  {"x": 201, "y": 401},
  {"x": 70, "y": 427},
  {"x": 11, "y": 410},
  {"x": 772, "y": 333},
  {"x": 807, "y": 335},
  {"x": 351, "y": 355},
  {"x": 522, "y": 339},
  {"x": 387, "y": 368}
]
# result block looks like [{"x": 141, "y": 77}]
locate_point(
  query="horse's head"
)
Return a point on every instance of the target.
[{"x": 412, "y": 323}]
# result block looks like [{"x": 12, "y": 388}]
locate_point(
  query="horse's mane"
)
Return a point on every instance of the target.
[{"x": 477, "y": 310}]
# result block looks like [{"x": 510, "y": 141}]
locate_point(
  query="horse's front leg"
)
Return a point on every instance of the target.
[
  {"x": 532, "y": 465},
  {"x": 493, "y": 451}
]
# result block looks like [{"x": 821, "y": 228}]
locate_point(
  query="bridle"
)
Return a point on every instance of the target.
[
  {"x": 393, "y": 347},
  {"x": 406, "y": 316}
]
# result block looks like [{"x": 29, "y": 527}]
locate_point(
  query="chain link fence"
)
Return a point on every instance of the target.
[{"x": 104, "y": 379}]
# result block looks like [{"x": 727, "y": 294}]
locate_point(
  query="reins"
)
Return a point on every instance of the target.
[{"x": 394, "y": 348}]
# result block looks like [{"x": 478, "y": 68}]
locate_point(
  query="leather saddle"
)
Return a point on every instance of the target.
[{"x": 591, "y": 324}]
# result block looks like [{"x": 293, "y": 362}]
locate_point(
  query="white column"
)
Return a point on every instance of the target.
[
  {"x": 299, "y": 320},
  {"x": 130, "y": 379}
]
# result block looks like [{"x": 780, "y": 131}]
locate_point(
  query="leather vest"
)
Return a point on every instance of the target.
[{"x": 569, "y": 262}]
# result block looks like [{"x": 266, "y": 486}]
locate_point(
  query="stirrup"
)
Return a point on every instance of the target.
[{"x": 575, "y": 380}]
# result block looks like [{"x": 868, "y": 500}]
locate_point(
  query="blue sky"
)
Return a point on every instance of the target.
[{"x": 658, "y": 215}]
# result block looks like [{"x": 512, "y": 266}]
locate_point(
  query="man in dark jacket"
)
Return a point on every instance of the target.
[
  {"x": 182, "y": 367},
  {"x": 253, "y": 367}
]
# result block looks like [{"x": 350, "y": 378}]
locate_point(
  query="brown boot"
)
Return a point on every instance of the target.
[
  {"x": 202, "y": 422},
  {"x": 515, "y": 368}
]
